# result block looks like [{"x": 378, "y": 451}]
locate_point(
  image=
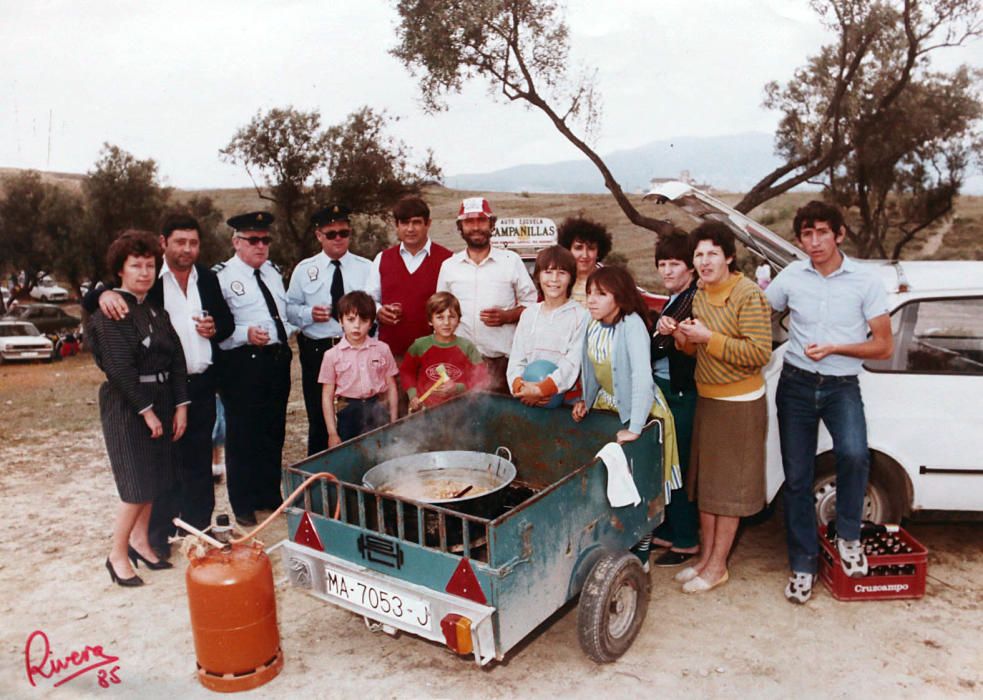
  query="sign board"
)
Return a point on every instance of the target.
[{"x": 524, "y": 232}]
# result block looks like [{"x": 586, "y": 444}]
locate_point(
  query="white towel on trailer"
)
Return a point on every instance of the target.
[{"x": 621, "y": 487}]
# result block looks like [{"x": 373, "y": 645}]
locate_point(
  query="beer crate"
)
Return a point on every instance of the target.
[{"x": 900, "y": 576}]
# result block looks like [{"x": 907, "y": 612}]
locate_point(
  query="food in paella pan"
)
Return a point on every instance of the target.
[{"x": 434, "y": 489}]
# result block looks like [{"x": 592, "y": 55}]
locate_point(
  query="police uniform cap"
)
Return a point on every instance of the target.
[
  {"x": 330, "y": 214},
  {"x": 253, "y": 221}
]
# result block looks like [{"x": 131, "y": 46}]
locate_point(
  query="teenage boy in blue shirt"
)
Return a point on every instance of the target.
[{"x": 834, "y": 302}]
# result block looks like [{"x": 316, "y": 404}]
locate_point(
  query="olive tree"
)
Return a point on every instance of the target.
[
  {"x": 520, "y": 48},
  {"x": 845, "y": 114},
  {"x": 120, "y": 192},
  {"x": 37, "y": 220},
  {"x": 301, "y": 165},
  {"x": 287, "y": 149},
  {"x": 869, "y": 121}
]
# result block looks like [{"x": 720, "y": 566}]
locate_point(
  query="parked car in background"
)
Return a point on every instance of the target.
[
  {"x": 47, "y": 290},
  {"x": 20, "y": 340},
  {"x": 926, "y": 445},
  {"x": 48, "y": 318}
]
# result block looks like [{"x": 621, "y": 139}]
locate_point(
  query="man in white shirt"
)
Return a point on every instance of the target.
[
  {"x": 316, "y": 286},
  {"x": 492, "y": 286},
  {"x": 190, "y": 294}
]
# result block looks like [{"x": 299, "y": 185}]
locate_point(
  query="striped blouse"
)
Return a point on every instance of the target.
[{"x": 739, "y": 318}]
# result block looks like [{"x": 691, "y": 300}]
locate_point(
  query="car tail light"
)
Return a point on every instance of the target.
[{"x": 457, "y": 633}]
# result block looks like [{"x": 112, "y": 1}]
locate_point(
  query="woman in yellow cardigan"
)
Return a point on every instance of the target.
[{"x": 730, "y": 334}]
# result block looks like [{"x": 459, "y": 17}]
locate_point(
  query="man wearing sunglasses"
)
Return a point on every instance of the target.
[
  {"x": 316, "y": 285},
  {"x": 255, "y": 382}
]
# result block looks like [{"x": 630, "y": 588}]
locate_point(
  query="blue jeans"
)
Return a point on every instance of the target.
[{"x": 803, "y": 399}]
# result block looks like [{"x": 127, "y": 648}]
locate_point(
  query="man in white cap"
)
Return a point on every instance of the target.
[{"x": 492, "y": 286}]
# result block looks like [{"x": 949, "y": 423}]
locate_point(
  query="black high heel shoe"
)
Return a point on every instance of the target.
[
  {"x": 152, "y": 565},
  {"x": 125, "y": 582}
]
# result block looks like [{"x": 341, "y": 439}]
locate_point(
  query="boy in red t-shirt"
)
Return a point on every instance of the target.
[{"x": 461, "y": 361}]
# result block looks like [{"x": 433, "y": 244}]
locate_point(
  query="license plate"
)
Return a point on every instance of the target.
[
  {"x": 375, "y": 598},
  {"x": 29, "y": 354}
]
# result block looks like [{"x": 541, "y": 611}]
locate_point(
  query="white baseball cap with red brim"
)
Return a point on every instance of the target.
[{"x": 474, "y": 208}]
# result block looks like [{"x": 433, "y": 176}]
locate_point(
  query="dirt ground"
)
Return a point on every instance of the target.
[{"x": 743, "y": 640}]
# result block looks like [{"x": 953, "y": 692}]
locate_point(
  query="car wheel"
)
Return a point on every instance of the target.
[{"x": 884, "y": 502}]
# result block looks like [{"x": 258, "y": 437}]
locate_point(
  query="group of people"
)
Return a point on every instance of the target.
[
  {"x": 419, "y": 324},
  {"x": 709, "y": 347}
]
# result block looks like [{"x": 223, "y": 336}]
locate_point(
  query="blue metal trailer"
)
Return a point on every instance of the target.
[{"x": 482, "y": 584}]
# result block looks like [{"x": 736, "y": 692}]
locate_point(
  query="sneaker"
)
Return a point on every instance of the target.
[
  {"x": 798, "y": 590},
  {"x": 852, "y": 557}
]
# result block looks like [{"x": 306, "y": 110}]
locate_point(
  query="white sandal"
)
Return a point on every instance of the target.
[
  {"x": 852, "y": 557},
  {"x": 798, "y": 590},
  {"x": 701, "y": 585},
  {"x": 687, "y": 574}
]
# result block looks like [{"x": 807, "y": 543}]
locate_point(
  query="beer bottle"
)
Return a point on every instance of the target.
[{"x": 867, "y": 529}]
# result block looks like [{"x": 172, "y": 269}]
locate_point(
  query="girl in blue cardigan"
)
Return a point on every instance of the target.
[{"x": 616, "y": 369}]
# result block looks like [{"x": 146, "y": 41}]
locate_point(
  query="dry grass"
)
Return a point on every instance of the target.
[
  {"x": 635, "y": 243},
  {"x": 961, "y": 241}
]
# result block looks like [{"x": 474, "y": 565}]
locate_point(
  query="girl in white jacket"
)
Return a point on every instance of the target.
[{"x": 552, "y": 330}]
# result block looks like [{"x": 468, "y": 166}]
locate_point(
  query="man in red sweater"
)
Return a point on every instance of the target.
[{"x": 404, "y": 276}]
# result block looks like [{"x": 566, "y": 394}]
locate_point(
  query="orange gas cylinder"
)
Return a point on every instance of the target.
[{"x": 233, "y": 618}]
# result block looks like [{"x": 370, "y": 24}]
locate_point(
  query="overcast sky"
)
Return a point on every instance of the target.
[{"x": 173, "y": 80}]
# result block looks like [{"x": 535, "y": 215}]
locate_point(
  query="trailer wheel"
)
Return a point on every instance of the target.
[{"x": 612, "y": 607}]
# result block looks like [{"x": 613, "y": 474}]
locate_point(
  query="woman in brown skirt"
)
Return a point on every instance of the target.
[
  {"x": 730, "y": 333},
  {"x": 143, "y": 403}
]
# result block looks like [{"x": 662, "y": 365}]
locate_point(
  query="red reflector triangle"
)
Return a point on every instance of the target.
[
  {"x": 307, "y": 535},
  {"x": 465, "y": 584}
]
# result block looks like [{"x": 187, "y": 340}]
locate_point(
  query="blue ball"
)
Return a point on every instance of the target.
[{"x": 539, "y": 370}]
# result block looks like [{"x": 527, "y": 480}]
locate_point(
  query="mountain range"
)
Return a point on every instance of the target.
[{"x": 731, "y": 163}]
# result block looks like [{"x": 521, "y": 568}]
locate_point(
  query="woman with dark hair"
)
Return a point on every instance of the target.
[
  {"x": 616, "y": 370},
  {"x": 590, "y": 243},
  {"x": 142, "y": 404},
  {"x": 730, "y": 334},
  {"x": 673, "y": 370}
]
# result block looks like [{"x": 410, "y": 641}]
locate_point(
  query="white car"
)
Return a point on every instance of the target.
[
  {"x": 923, "y": 405},
  {"x": 46, "y": 290},
  {"x": 22, "y": 341}
]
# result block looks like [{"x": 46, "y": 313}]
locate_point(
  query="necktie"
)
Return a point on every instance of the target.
[
  {"x": 337, "y": 289},
  {"x": 281, "y": 332}
]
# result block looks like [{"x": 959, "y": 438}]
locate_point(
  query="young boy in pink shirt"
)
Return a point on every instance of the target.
[{"x": 356, "y": 374}]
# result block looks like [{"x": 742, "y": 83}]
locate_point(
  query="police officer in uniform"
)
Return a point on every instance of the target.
[
  {"x": 255, "y": 382},
  {"x": 316, "y": 286}
]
